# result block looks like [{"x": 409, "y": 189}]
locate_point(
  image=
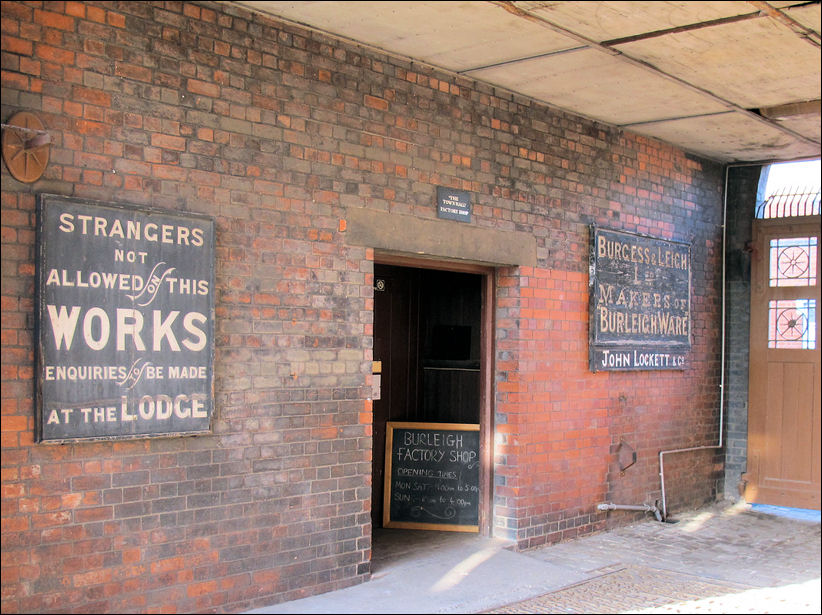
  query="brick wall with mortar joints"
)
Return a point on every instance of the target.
[
  {"x": 744, "y": 194},
  {"x": 632, "y": 413},
  {"x": 275, "y": 132},
  {"x": 736, "y": 430},
  {"x": 558, "y": 466}
]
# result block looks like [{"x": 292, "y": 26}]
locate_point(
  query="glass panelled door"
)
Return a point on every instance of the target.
[{"x": 784, "y": 389}]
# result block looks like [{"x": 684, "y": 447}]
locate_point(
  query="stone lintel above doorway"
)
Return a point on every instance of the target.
[{"x": 403, "y": 234}]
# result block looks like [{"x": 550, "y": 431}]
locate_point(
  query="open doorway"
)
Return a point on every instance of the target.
[{"x": 432, "y": 353}]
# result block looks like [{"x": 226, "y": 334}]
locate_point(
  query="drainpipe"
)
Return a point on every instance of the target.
[
  {"x": 662, "y": 514},
  {"x": 721, "y": 362},
  {"x": 645, "y": 507}
]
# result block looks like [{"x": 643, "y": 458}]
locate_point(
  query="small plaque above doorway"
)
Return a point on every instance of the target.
[{"x": 453, "y": 204}]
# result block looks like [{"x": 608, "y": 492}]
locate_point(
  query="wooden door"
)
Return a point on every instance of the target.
[
  {"x": 396, "y": 351},
  {"x": 784, "y": 389}
]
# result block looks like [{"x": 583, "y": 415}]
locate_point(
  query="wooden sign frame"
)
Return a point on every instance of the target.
[
  {"x": 124, "y": 321},
  {"x": 388, "y": 522},
  {"x": 639, "y": 302}
]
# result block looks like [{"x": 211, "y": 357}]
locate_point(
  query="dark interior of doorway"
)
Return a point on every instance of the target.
[{"x": 427, "y": 330}]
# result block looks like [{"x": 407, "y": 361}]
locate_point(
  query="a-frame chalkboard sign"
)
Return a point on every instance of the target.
[{"x": 432, "y": 476}]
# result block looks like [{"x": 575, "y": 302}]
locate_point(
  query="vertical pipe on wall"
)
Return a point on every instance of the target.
[
  {"x": 664, "y": 508},
  {"x": 721, "y": 357},
  {"x": 662, "y": 512}
]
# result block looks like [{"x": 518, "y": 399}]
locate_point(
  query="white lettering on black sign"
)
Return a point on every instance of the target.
[
  {"x": 453, "y": 204},
  {"x": 640, "y": 304},
  {"x": 125, "y": 321},
  {"x": 432, "y": 477}
]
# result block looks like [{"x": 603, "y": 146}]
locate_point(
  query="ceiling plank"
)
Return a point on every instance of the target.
[
  {"x": 612, "y": 91},
  {"x": 781, "y": 17},
  {"x": 512, "y": 8},
  {"x": 693, "y": 26}
]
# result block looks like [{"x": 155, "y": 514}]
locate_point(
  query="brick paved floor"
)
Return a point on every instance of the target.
[
  {"x": 722, "y": 559},
  {"x": 637, "y": 589}
]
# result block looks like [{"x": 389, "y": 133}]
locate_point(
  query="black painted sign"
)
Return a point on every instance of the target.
[
  {"x": 125, "y": 321},
  {"x": 432, "y": 476},
  {"x": 453, "y": 204},
  {"x": 640, "y": 302}
]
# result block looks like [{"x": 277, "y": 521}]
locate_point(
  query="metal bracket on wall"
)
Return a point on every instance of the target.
[
  {"x": 26, "y": 147},
  {"x": 626, "y": 456}
]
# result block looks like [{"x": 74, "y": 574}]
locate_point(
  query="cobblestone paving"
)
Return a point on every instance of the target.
[
  {"x": 722, "y": 559},
  {"x": 637, "y": 589}
]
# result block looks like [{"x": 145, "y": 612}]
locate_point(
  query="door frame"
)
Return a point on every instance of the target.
[
  {"x": 758, "y": 487},
  {"x": 487, "y": 366}
]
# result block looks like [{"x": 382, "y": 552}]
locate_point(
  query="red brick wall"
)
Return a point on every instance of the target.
[
  {"x": 274, "y": 132},
  {"x": 559, "y": 426}
]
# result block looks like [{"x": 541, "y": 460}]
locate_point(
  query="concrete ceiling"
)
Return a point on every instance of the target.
[{"x": 731, "y": 81}]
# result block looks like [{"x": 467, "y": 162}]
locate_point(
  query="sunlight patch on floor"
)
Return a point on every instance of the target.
[
  {"x": 795, "y": 598},
  {"x": 457, "y": 574}
]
